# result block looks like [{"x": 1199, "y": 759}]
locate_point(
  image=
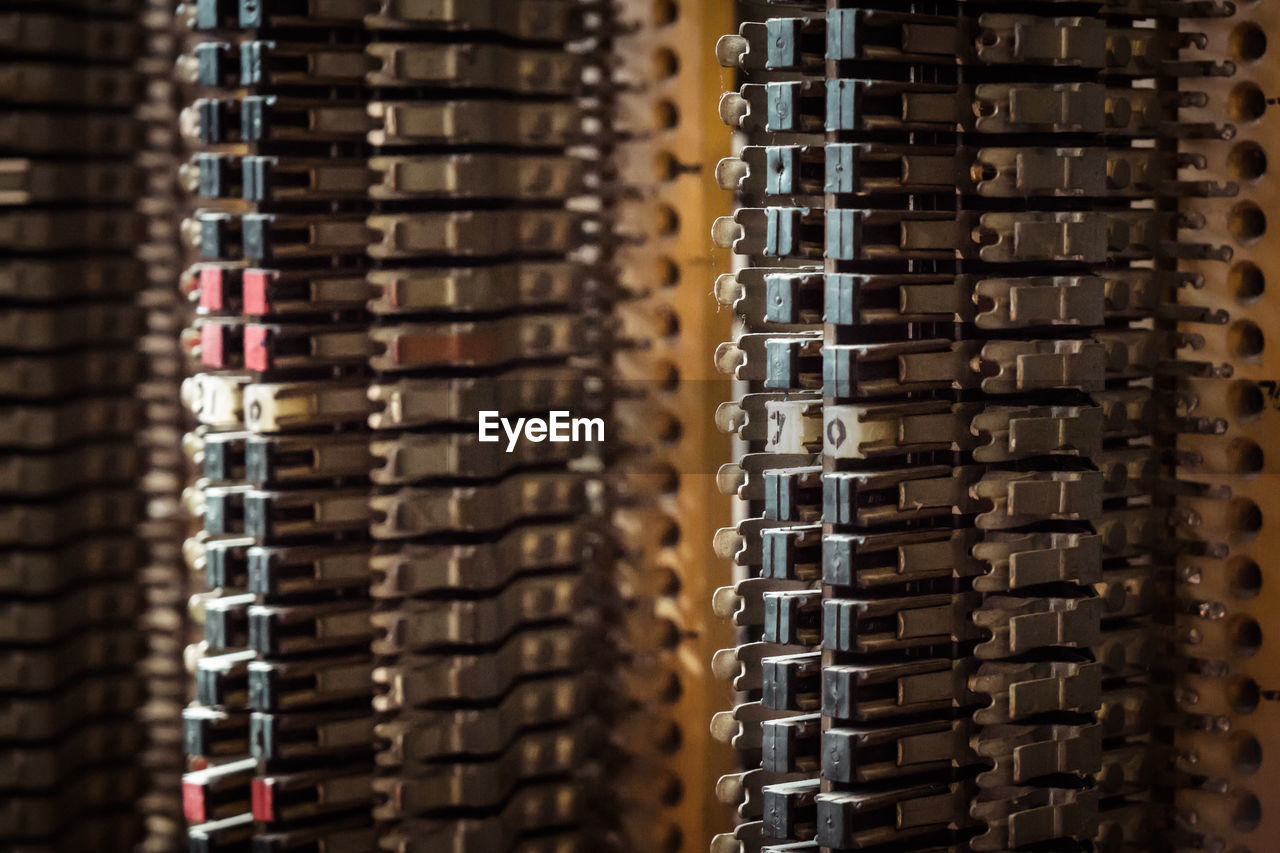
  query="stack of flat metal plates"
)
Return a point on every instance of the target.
[
  {"x": 389, "y": 239},
  {"x": 281, "y": 734},
  {"x": 69, "y": 599},
  {"x": 962, "y": 240}
]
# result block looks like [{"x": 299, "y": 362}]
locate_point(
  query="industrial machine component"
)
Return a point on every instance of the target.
[
  {"x": 1000, "y": 462},
  {"x": 406, "y": 221},
  {"x": 391, "y": 462},
  {"x": 71, "y": 559}
]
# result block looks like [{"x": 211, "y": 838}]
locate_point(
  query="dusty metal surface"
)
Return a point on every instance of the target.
[{"x": 1229, "y": 596}]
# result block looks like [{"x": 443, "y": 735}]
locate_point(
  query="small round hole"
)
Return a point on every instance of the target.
[
  {"x": 1246, "y": 636},
  {"x": 665, "y": 12},
  {"x": 666, "y": 115},
  {"x": 668, "y": 323},
  {"x": 1246, "y": 102},
  {"x": 671, "y": 430},
  {"x": 1248, "y": 755},
  {"x": 1248, "y": 42},
  {"x": 668, "y": 220},
  {"x": 1247, "y": 399},
  {"x": 1246, "y": 577},
  {"x": 668, "y": 272},
  {"x": 1248, "y": 161},
  {"x": 1247, "y": 814},
  {"x": 1246, "y": 339},
  {"x": 1247, "y": 222},
  {"x": 1245, "y": 517},
  {"x": 670, "y": 537},
  {"x": 669, "y": 582},
  {"x": 667, "y": 477},
  {"x": 666, "y": 166},
  {"x": 1247, "y": 282},
  {"x": 672, "y": 689},
  {"x": 669, "y": 737},
  {"x": 665, "y": 63},
  {"x": 1244, "y": 695},
  {"x": 1246, "y": 456},
  {"x": 666, "y": 634},
  {"x": 670, "y": 376}
]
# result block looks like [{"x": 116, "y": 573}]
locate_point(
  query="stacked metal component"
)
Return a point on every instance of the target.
[
  {"x": 282, "y": 730},
  {"x": 1227, "y": 742},
  {"x": 164, "y": 577},
  {"x": 390, "y": 244},
  {"x": 482, "y": 299},
  {"x": 68, "y": 459},
  {"x": 1006, "y": 404},
  {"x": 958, "y": 311}
]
